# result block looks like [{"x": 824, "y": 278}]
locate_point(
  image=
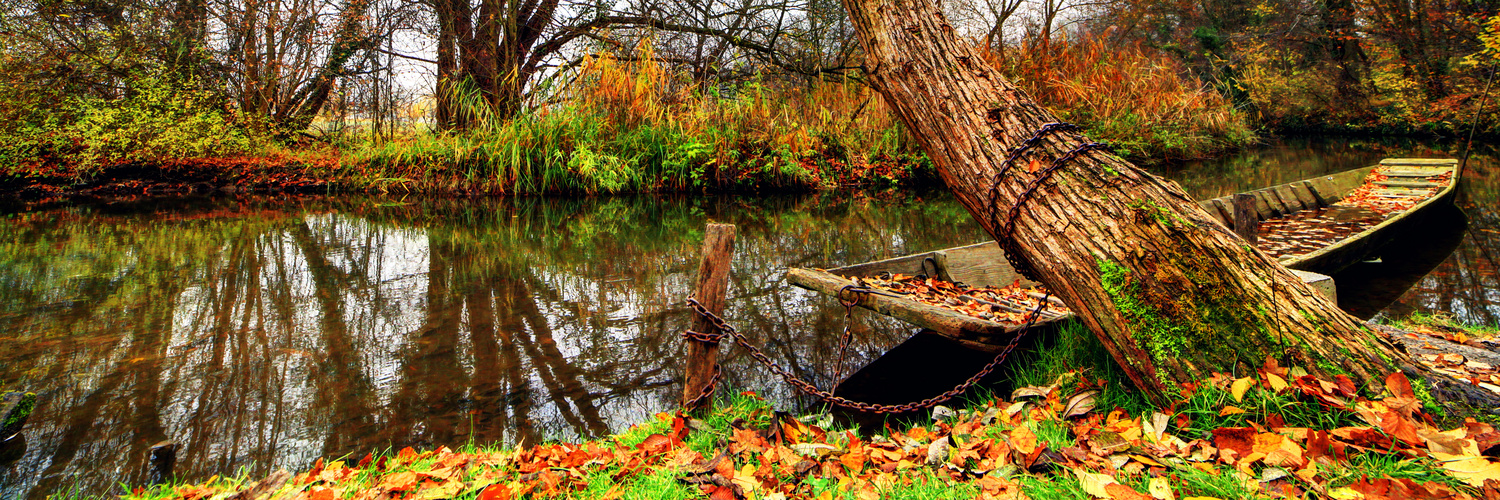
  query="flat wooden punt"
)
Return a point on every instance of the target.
[
  {"x": 984, "y": 264},
  {"x": 1402, "y": 174}
]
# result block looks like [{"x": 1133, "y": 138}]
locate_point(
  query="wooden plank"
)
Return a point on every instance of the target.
[
  {"x": 1348, "y": 181},
  {"x": 1288, "y": 198},
  {"x": 1325, "y": 190},
  {"x": 1266, "y": 205},
  {"x": 1215, "y": 207},
  {"x": 980, "y": 265},
  {"x": 1422, "y": 162},
  {"x": 910, "y": 264},
  {"x": 1410, "y": 184},
  {"x": 1303, "y": 192},
  {"x": 1415, "y": 172},
  {"x": 713, "y": 283},
  {"x": 946, "y": 322},
  {"x": 1225, "y": 213}
]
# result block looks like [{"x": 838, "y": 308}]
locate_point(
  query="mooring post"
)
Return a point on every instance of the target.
[
  {"x": 712, "y": 284},
  {"x": 1246, "y": 221},
  {"x": 163, "y": 456}
]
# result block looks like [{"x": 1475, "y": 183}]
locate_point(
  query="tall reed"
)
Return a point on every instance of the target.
[
  {"x": 636, "y": 125},
  {"x": 1136, "y": 98}
]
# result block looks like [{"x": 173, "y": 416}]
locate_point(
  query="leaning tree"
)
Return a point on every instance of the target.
[{"x": 1172, "y": 294}]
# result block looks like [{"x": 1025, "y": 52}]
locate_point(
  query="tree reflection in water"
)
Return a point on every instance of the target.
[{"x": 263, "y": 333}]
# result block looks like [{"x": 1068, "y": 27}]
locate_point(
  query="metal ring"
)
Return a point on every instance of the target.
[{"x": 854, "y": 291}]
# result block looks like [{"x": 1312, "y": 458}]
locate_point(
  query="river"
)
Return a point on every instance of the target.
[{"x": 265, "y": 332}]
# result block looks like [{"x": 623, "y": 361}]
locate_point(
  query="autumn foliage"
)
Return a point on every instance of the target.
[{"x": 1043, "y": 441}]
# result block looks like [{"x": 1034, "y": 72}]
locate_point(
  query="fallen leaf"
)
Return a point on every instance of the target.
[
  {"x": 1238, "y": 388},
  {"x": 1472, "y": 470},
  {"x": 1239, "y": 439},
  {"x": 1080, "y": 404},
  {"x": 1160, "y": 488},
  {"x": 1095, "y": 483},
  {"x": 1230, "y": 410},
  {"x": 1023, "y": 440},
  {"x": 1399, "y": 386},
  {"x": 1276, "y": 383},
  {"x": 1122, "y": 492}
]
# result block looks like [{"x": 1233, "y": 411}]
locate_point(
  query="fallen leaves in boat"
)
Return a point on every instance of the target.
[
  {"x": 1011, "y": 304},
  {"x": 1368, "y": 205},
  {"x": 1053, "y": 438}
]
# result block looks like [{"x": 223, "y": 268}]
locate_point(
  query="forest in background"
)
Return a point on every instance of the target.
[{"x": 569, "y": 96}]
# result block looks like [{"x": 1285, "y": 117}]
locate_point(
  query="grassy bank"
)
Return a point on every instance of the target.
[
  {"x": 1072, "y": 430},
  {"x": 620, "y": 125}
]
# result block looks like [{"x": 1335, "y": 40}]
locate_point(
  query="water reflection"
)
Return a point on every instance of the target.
[{"x": 265, "y": 333}]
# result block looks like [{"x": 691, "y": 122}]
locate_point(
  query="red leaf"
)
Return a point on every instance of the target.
[
  {"x": 1363, "y": 437},
  {"x": 365, "y": 462},
  {"x": 1239, "y": 439}
]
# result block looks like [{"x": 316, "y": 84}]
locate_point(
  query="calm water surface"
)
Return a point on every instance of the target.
[{"x": 266, "y": 332}]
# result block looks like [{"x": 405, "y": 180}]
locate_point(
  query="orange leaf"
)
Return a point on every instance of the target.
[
  {"x": 1399, "y": 386},
  {"x": 400, "y": 481},
  {"x": 1230, "y": 410},
  {"x": 655, "y": 443},
  {"x": 1122, "y": 492},
  {"x": 321, "y": 493},
  {"x": 1023, "y": 440},
  {"x": 495, "y": 491}
]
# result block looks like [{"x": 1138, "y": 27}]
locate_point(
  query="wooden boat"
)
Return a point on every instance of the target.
[{"x": 984, "y": 264}]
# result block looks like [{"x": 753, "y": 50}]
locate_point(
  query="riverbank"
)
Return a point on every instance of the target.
[
  {"x": 1071, "y": 430},
  {"x": 625, "y": 126}
]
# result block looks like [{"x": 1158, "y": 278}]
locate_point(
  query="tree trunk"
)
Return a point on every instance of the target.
[{"x": 1171, "y": 293}]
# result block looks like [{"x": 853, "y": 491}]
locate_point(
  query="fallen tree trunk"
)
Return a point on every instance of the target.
[{"x": 1170, "y": 292}]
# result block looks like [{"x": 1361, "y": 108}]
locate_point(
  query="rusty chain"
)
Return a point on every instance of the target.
[
  {"x": 723, "y": 329},
  {"x": 1006, "y": 239},
  {"x": 847, "y": 336},
  {"x": 708, "y": 389}
]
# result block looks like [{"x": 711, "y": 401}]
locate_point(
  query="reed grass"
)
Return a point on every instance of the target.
[
  {"x": 1140, "y": 101},
  {"x": 630, "y": 126}
]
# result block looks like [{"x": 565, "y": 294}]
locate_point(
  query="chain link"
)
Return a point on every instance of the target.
[
  {"x": 1007, "y": 241},
  {"x": 1006, "y": 237},
  {"x": 808, "y": 388}
]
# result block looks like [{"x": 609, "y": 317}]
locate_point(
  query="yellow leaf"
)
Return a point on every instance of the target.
[
  {"x": 1160, "y": 488},
  {"x": 1277, "y": 383},
  {"x": 1345, "y": 493},
  {"x": 1147, "y": 460},
  {"x": 1094, "y": 483},
  {"x": 1230, "y": 410},
  {"x": 745, "y": 478},
  {"x": 1473, "y": 470},
  {"x": 1239, "y": 387}
]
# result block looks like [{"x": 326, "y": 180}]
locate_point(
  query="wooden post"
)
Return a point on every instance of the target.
[
  {"x": 1246, "y": 221},
  {"x": 713, "y": 283},
  {"x": 163, "y": 456}
]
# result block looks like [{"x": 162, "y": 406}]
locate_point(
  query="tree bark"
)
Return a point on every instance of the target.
[{"x": 1172, "y": 294}]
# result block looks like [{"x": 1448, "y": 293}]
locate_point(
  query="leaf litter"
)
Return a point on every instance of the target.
[{"x": 996, "y": 449}]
